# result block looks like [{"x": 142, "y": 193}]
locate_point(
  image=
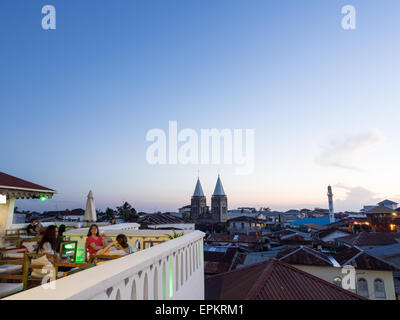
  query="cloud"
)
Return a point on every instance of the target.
[
  {"x": 338, "y": 152},
  {"x": 356, "y": 198}
]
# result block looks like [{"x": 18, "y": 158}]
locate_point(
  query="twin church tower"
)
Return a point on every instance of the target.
[{"x": 199, "y": 210}]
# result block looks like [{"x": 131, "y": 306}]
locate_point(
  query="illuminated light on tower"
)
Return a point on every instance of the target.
[
  {"x": 42, "y": 198},
  {"x": 330, "y": 199}
]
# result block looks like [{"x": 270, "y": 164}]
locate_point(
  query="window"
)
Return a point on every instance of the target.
[
  {"x": 362, "y": 288},
  {"x": 379, "y": 287},
  {"x": 137, "y": 244},
  {"x": 337, "y": 281}
]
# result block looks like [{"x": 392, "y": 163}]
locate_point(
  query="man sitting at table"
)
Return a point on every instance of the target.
[{"x": 31, "y": 229}]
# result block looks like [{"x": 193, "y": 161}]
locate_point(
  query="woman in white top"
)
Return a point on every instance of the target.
[{"x": 48, "y": 244}]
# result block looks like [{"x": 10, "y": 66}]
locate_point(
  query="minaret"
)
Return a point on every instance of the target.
[
  {"x": 198, "y": 203},
  {"x": 331, "y": 212},
  {"x": 219, "y": 203}
]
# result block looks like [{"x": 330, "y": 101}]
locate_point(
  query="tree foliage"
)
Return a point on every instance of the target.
[{"x": 127, "y": 212}]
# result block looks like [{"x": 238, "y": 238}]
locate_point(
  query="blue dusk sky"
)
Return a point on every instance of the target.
[{"x": 77, "y": 102}]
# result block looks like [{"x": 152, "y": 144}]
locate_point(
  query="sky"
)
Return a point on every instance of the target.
[{"x": 77, "y": 102}]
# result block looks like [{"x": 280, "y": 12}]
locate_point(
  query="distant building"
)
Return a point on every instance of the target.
[
  {"x": 66, "y": 215},
  {"x": 374, "y": 276},
  {"x": 383, "y": 218},
  {"x": 249, "y": 242},
  {"x": 219, "y": 204},
  {"x": 246, "y": 225},
  {"x": 184, "y": 210},
  {"x": 369, "y": 240},
  {"x": 389, "y": 204}
]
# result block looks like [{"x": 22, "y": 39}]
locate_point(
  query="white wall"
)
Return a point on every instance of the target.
[{"x": 329, "y": 273}]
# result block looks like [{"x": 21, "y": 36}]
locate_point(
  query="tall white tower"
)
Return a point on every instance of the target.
[{"x": 330, "y": 199}]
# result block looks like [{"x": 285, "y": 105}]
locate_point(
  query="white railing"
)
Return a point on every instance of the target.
[{"x": 170, "y": 270}]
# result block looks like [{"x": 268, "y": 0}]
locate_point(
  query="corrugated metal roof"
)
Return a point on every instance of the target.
[
  {"x": 160, "y": 218},
  {"x": 371, "y": 238},
  {"x": 317, "y": 221},
  {"x": 273, "y": 280}
]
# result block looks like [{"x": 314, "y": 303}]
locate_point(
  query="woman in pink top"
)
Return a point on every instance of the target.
[{"x": 94, "y": 241}]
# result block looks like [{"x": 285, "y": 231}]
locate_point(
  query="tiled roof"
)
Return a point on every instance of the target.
[
  {"x": 10, "y": 182},
  {"x": 272, "y": 280},
  {"x": 304, "y": 256},
  {"x": 371, "y": 238},
  {"x": 160, "y": 218},
  {"x": 360, "y": 259}
]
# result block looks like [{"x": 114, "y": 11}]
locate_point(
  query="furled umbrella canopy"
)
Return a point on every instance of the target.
[{"x": 90, "y": 212}]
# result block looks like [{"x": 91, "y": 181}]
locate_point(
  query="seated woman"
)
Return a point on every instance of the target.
[
  {"x": 94, "y": 242},
  {"x": 48, "y": 244},
  {"x": 49, "y": 241},
  {"x": 118, "y": 247}
]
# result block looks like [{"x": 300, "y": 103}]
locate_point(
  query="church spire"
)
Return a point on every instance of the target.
[
  {"x": 219, "y": 189},
  {"x": 198, "y": 191}
]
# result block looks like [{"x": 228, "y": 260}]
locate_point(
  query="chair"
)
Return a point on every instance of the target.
[
  {"x": 12, "y": 234},
  {"x": 53, "y": 258},
  {"x": 14, "y": 270}
]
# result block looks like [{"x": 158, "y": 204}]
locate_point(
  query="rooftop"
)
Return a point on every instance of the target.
[
  {"x": 272, "y": 280},
  {"x": 216, "y": 237},
  {"x": 304, "y": 256},
  {"x": 361, "y": 259},
  {"x": 18, "y": 188},
  {"x": 317, "y": 221},
  {"x": 379, "y": 210},
  {"x": 371, "y": 238},
  {"x": 387, "y": 202},
  {"x": 160, "y": 218}
]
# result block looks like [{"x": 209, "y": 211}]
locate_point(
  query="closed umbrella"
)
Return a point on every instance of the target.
[{"x": 90, "y": 212}]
